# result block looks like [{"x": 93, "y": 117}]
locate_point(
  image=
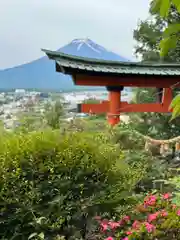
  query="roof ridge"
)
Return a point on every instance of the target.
[{"x": 56, "y": 54}]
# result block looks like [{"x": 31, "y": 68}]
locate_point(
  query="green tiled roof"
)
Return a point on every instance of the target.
[{"x": 69, "y": 64}]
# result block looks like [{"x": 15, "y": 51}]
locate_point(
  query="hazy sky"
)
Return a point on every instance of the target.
[{"x": 26, "y": 26}]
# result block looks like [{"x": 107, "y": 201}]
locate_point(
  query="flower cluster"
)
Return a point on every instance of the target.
[{"x": 156, "y": 218}]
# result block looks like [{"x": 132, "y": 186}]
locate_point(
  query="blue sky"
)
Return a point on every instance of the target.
[{"x": 26, "y": 26}]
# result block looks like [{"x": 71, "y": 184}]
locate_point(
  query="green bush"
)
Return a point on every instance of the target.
[{"x": 53, "y": 184}]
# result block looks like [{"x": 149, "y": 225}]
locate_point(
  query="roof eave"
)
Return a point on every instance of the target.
[
  {"x": 55, "y": 55},
  {"x": 73, "y": 65},
  {"x": 60, "y": 68}
]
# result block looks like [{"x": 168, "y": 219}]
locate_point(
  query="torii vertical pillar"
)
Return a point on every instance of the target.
[
  {"x": 114, "y": 105},
  {"x": 167, "y": 97}
]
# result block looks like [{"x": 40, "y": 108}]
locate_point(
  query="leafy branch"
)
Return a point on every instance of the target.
[{"x": 172, "y": 30}]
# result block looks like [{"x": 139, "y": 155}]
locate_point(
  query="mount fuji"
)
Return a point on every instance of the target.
[
  {"x": 40, "y": 74},
  {"x": 88, "y": 48}
]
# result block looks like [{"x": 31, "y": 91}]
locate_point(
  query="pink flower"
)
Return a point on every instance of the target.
[
  {"x": 129, "y": 233},
  {"x": 136, "y": 224},
  {"x": 149, "y": 227},
  {"x": 174, "y": 206},
  {"x": 178, "y": 212},
  {"x": 164, "y": 213},
  {"x": 126, "y": 218},
  {"x": 114, "y": 225},
  {"x": 126, "y": 238},
  {"x": 109, "y": 238},
  {"x": 166, "y": 196},
  {"x": 121, "y": 222},
  {"x": 150, "y": 200},
  {"x": 153, "y": 216},
  {"x": 104, "y": 226}
]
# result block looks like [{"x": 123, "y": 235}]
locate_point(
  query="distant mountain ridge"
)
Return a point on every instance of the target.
[{"x": 40, "y": 73}]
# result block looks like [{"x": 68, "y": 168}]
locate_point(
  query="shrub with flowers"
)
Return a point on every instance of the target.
[{"x": 157, "y": 218}]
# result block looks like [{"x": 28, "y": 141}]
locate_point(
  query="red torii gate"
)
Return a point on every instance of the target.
[{"x": 115, "y": 75}]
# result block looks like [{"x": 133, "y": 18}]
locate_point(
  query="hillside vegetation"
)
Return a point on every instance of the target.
[
  {"x": 86, "y": 180},
  {"x": 56, "y": 181}
]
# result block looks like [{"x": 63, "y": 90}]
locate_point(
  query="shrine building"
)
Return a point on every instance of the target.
[{"x": 115, "y": 75}]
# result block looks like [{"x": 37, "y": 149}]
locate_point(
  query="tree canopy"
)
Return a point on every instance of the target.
[
  {"x": 149, "y": 34},
  {"x": 158, "y": 38},
  {"x": 171, "y": 33}
]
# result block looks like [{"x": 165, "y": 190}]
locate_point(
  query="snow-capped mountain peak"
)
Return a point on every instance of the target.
[
  {"x": 40, "y": 74},
  {"x": 89, "y": 43},
  {"x": 85, "y": 47}
]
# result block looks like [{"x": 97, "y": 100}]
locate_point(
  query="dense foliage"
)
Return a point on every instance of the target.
[
  {"x": 158, "y": 39},
  {"x": 53, "y": 184},
  {"x": 170, "y": 38},
  {"x": 149, "y": 34},
  {"x": 156, "y": 125},
  {"x": 53, "y": 114}
]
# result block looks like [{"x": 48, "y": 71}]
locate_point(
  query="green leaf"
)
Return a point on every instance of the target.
[
  {"x": 175, "y": 101},
  {"x": 172, "y": 29},
  {"x": 176, "y": 111},
  {"x": 32, "y": 236},
  {"x": 155, "y": 6},
  {"x": 164, "y": 9},
  {"x": 41, "y": 235},
  {"x": 177, "y": 4},
  {"x": 39, "y": 220},
  {"x": 166, "y": 44}
]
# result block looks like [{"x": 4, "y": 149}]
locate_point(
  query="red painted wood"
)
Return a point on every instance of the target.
[
  {"x": 114, "y": 107},
  {"x": 140, "y": 81},
  {"x": 145, "y": 107},
  {"x": 167, "y": 97},
  {"x": 126, "y": 107}
]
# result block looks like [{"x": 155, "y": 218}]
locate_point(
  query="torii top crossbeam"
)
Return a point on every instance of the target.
[{"x": 115, "y": 75}]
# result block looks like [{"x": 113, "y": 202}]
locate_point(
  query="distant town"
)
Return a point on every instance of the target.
[{"x": 15, "y": 103}]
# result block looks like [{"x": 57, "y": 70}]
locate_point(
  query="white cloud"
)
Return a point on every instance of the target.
[{"x": 26, "y": 26}]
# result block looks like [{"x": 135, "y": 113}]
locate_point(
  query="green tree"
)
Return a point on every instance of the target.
[
  {"x": 170, "y": 37},
  {"x": 28, "y": 122},
  {"x": 149, "y": 34},
  {"x": 53, "y": 113},
  {"x": 156, "y": 125}
]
